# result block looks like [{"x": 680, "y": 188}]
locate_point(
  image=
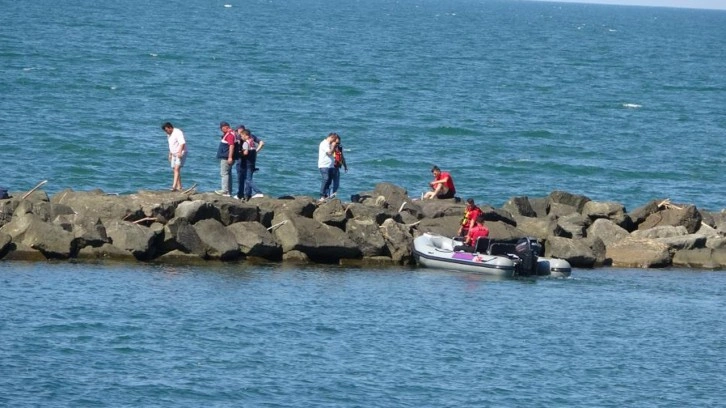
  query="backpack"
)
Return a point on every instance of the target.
[
  {"x": 338, "y": 156},
  {"x": 3, "y": 193}
]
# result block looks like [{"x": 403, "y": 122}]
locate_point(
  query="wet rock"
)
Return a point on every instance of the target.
[
  {"x": 219, "y": 242},
  {"x": 688, "y": 217},
  {"x": 331, "y": 213},
  {"x": 665, "y": 231},
  {"x": 708, "y": 258},
  {"x": 607, "y": 231},
  {"x": 447, "y": 226},
  {"x": 31, "y": 230},
  {"x": 540, "y": 228},
  {"x": 197, "y": 210},
  {"x": 185, "y": 237},
  {"x": 320, "y": 242},
  {"x": 365, "y": 212},
  {"x": 639, "y": 253},
  {"x": 576, "y": 252},
  {"x": 300, "y": 206},
  {"x": 398, "y": 241},
  {"x": 140, "y": 241},
  {"x": 367, "y": 235},
  {"x": 612, "y": 211},
  {"x": 573, "y": 225},
  {"x": 254, "y": 239}
]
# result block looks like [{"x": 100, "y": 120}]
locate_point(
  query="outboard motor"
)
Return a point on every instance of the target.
[{"x": 527, "y": 250}]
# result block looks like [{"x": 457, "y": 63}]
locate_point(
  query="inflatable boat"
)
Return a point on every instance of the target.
[{"x": 490, "y": 257}]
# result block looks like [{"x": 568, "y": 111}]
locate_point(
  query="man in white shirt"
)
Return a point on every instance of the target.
[
  {"x": 325, "y": 164},
  {"x": 177, "y": 152}
]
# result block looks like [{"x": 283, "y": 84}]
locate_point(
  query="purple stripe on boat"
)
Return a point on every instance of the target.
[{"x": 462, "y": 255}]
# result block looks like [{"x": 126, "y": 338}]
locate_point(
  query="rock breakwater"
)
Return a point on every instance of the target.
[{"x": 376, "y": 227}]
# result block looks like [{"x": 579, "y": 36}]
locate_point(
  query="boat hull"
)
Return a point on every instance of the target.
[{"x": 436, "y": 251}]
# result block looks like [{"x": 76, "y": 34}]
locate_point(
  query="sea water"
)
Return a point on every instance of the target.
[{"x": 513, "y": 98}]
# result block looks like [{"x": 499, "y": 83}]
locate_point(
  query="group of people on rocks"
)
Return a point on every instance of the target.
[{"x": 239, "y": 147}]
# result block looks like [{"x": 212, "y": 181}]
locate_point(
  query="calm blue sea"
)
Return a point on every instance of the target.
[{"x": 514, "y": 98}]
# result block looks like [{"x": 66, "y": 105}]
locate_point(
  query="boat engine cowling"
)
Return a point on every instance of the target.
[{"x": 527, "y": 249}]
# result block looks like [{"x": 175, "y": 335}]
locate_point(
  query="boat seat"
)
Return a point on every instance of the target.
[{"x": 482, "y": 245}]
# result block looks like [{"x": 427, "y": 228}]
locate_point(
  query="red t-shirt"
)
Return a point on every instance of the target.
[{"x": 449, "y": 181}]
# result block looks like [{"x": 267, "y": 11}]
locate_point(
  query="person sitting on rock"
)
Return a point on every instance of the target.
[
  {"x": 469, "y": 219},
  {"x": 479, "y": 230},
  {"x": 442, "y": 186}
]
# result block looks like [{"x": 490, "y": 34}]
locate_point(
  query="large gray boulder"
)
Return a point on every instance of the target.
[
  {"x": 105, "y": 251},
  {"x": 367, "y": 235},
  {"x": 575, "y": 251},
  {"x": 398, "y": 241},
  {"x": 639, "y": 253},
  {"x": 707, "y": 258},
  {"x": 160, "y": 205},
  {"x": 688, "y": 216},
  {"x": 503, "y": 230},
  {"x": 255, "y": 240},
  {"x": 689, "y": 241},
  {"x": 440, "y": 208},
  {"x": 497, "y": 214},
  {"x": 331, "y": 213},
  {"x": 665, "y": 231},
  {"x": 320, "y": 242},
  {"x": 564, "y": 198},
  {"x": 447, "y": 226},
  {"x": 97, "y": 204},
  {"x": 716, "y": 242},
  {"x": 140, "y": 241},
  {"x": 519, "y": 207},
  {"x": 219, "y": 241},
  {"x": 393, "y": 195},
  {"x": 196, "y": 210},
  {"x": 301, "y": 206},
  {"x": 185, "y": 238},
  {"x": 607, "y": 231},
  {"x": 540, "y": 205},
  {"x": 641, "y": 213},
  {"x": 540, "y": 228},
  {"x": 232, "y": 210},
  {"x": 366, "y": 212},
  {"x": 573, "y": 225},
  {"x": 562, "y": 210},
  {"x": 598, "y": 248},
  {"x": 51, "y": 240},
  {"x": 612, "y": 211}
]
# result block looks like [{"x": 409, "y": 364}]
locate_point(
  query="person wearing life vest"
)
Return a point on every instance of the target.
[
  {"x": 226, "y": 156},
  {"x": 249, "y": 160},
  {"x": 442, "y": 186},
  {"x": 338, "y": 162},
  {"x": 479, "y": 230},
  {"x": 471, "y": 212}
]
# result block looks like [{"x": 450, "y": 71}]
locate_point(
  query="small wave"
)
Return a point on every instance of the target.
[
  {"x": 632, "y": 105},
  {"x": 227, "y": 5},
  {"x": 453, "y": 131}
]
